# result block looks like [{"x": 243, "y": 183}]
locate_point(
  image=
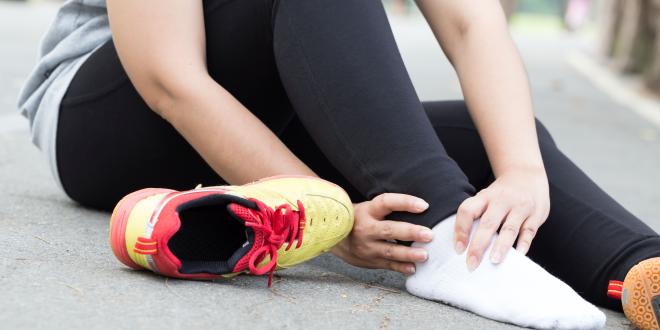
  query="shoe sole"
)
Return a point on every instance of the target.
[
  {"x": 641, "y": 294},
  {"x": 119, "y": 221}
]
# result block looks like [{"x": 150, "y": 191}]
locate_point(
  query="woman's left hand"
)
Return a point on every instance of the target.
[{"x": 518, "y": 201}]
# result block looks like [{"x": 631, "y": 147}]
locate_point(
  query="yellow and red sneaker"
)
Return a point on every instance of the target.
[
  {"x": 640, "y": 294},
  {"x": 223, "y": 231}
]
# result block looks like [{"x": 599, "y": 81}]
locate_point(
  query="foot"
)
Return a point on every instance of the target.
[
  {"x": 214, "y": 232},
  {"x": 640, "y": 294},
  {"x": 516, "y": 291}
]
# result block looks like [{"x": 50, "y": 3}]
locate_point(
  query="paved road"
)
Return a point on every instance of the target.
[{"x": 56, "y": 270}]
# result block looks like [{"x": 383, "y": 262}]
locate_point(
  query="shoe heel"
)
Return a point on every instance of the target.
[
  {"x": 641, "y": 295},
  {"x": 119, "y": 220}
]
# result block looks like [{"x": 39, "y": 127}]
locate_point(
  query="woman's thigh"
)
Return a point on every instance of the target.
[{"x": 110, "y": 143}]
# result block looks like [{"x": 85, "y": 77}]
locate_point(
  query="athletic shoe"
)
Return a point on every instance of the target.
[
  {"x": 640, "y": 294},
  {"x": 213, "y": 232}
]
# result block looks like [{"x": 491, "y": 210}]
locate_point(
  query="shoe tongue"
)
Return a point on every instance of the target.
[{"x": 254, "y": 239}]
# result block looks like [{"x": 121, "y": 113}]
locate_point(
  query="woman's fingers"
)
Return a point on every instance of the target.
[
  {"x": 470, "y": 210},
  {"x": 387, "y": 203},
  {"x": 508, "y": 234},
  {"x": 527, "y": 233},
  {"x": 388, "y": 230},
  {"x": 483, "y": 235},
  {"x": 405, "y": 268},
  {"x": 400, "y": 253}
]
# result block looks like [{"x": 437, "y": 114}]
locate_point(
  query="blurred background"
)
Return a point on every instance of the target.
[
  {"x": 594, "y": 68},
  {"x": 624, "y": 34}
]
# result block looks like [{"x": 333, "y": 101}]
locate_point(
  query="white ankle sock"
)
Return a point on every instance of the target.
[{"x": 516, "y": 291}]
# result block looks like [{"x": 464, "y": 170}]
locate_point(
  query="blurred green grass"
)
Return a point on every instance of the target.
[{"x": 536, "y": 23}]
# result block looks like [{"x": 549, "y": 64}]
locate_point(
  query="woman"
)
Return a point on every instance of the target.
[{"x": 188, "y": 92}]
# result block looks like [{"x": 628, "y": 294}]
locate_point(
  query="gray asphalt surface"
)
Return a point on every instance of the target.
[{"x": 57, "y": 271}]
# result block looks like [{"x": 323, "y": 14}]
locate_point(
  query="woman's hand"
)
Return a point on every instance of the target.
[
  {"x": 370, "y": 245},
  {"x": 518, "y": 201}
]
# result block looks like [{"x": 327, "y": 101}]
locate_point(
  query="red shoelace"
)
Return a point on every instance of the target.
[{"x": 278, "y": 226}]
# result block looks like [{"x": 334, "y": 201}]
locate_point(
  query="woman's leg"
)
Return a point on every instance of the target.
[
  {"x": 345, "y": 78},
  {"x": 109, "y": 143},
  {"x": 347, "y": 82},
  {"x": 518, "y": 291},
  {"x": 588, "y": 239}
]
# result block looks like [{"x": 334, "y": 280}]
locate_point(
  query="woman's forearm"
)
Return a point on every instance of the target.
[
  {"x": 497, "y": 92},
  {"x": 165, "y": 58},
  {"x": 475, "y": 37},
  {"x": 230, "y": 139}
]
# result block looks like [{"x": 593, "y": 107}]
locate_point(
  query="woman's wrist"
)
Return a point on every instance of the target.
[{"x": 531, "y": 168}]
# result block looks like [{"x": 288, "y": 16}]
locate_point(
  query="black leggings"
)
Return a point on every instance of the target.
[{"x": 326, "y": 76}]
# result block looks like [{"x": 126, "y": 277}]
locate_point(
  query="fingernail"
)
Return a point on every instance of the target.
[
  {"x": 421, "y": 255},
  {"x": 459, "y": 247},
  {"x": 522, "y": 249},
  {"x": 496, "y": 257},
  {"x": 472, "y": 263},
  {"x": 421, "y": 205},
  {"x": 410, "y": 270},
  {"x": 426, "y": 235}
]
